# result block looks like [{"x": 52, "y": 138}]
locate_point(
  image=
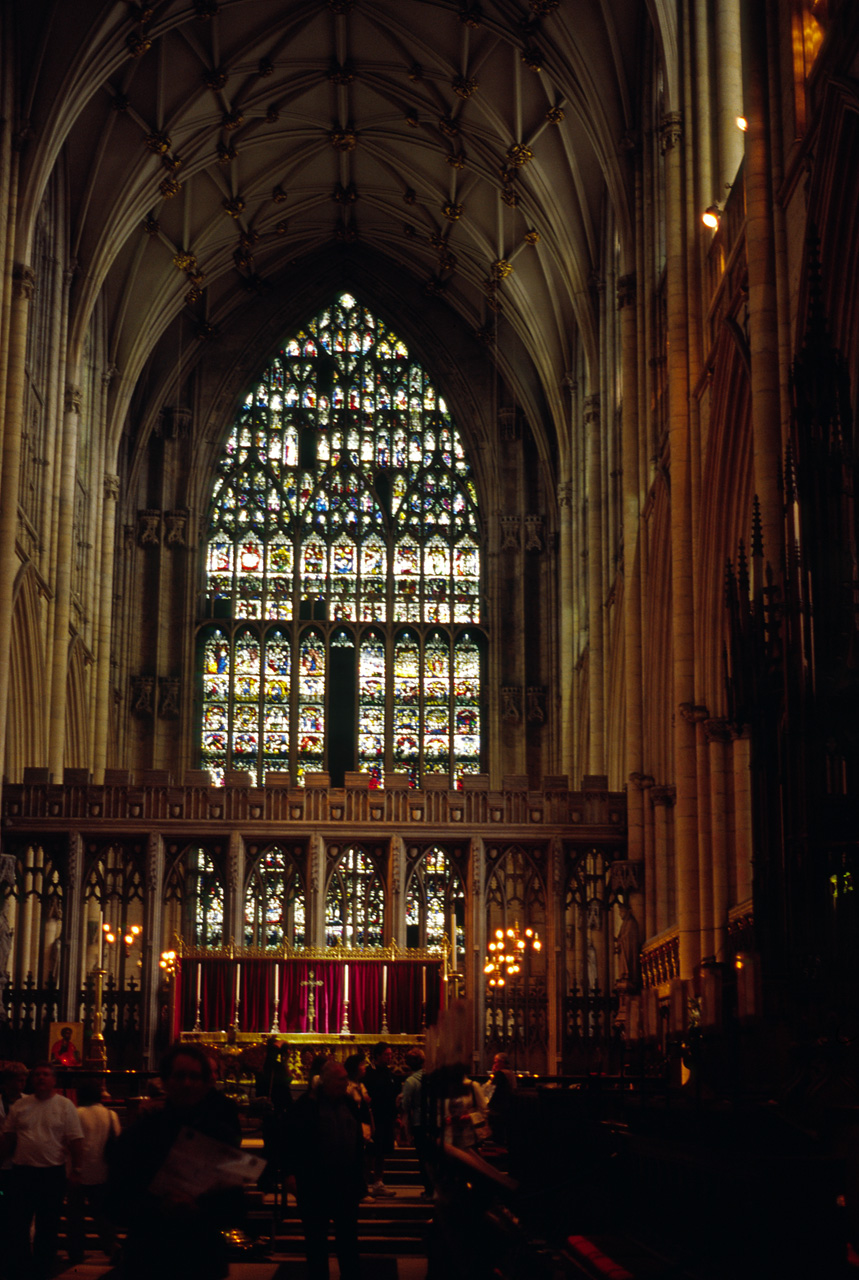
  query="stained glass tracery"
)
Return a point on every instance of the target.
[{"x": 343, "y": 498}]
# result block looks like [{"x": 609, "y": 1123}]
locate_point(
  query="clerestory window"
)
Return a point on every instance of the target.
[{"x": 343, "y": 569}]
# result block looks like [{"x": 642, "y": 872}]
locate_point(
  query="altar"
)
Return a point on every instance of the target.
[{"x": 307, "y": 992}]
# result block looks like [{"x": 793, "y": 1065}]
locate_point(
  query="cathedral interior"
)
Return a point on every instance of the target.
[{"x": 428, "y": 509}]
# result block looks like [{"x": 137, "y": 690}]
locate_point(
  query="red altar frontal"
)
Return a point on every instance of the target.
[{"x": 331, "y": 992}]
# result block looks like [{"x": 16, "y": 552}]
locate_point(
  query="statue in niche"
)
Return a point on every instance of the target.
[{"x": 627, "y": 948}]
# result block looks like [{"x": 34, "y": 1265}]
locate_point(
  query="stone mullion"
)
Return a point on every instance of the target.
[
  {"x": 596, "y": 594},
  {"x": 475, "y": 986},
  {"x": 70, "y": 938},
  {"x": 22, "y": 290},
  {"x": 395, "y": 925},
  {"x": 59, "y": 656},
  {"x": 235, "y": 890},
  {"x": 152, "y": 944},
  {"x": 682, "y": 586},
  {"x": 316, "y": 886}
]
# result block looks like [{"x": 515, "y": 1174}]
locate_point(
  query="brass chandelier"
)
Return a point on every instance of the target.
[{"x": 506, "y": 953}]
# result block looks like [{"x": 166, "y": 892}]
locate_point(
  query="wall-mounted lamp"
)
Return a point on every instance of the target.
[
  {"x": 711, "y": 216},
  {"x": 742, "y": 123}
]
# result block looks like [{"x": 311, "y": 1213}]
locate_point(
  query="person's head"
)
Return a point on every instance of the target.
[
  {"x": 414, "y": 1059},
  {"x": 13, "y": 1078},
  {"x": 66, "y": 1034},
  {"x": 500, "y": 1062},
  {"x": 186, "y": 1073},
  {"x": 356, "y": 1065},
  {"x": 383, "y": 1054},
  {"x": 89, "y": 1093},
  {"x": 333, "y": 1080},
  {"x": 43, "y": 1081},
  {"x": 316, "y": 1069}
]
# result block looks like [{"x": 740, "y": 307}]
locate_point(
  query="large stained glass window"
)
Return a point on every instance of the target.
[
  {"x": 343, "y": 571},
  {"x": 194, "y": 898}
]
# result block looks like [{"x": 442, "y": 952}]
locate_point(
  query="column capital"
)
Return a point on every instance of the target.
[
  {"x": 23, "y": 282},
  {"x": 72, "y": 398},
  {"x": 626, "y": 291},
  {"x": 670, "y": 130},
  {"x": 664, "y": 795},
  {"x": 718, "y": 729},
  {"x": 592, "y": 408}
]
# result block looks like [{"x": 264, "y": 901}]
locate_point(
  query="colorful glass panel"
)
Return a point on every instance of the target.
[
  {"x": 371, "y": 709},
  {"x": 354, "y": 903},
  {"x": 343, "y": 495},
  {"x": 274, "y": 902}
]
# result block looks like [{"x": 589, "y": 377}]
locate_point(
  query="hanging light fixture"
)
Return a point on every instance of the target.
[{"x": 506, "y": 953}]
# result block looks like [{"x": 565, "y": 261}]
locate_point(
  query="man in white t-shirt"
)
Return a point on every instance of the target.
[{"x": 42, "y": 1129}]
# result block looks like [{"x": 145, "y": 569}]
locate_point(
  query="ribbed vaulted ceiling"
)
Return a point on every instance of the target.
[{"x": 213, "y": 144}]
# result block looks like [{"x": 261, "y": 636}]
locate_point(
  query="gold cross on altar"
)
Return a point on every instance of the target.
[{"x": 311, "y": 983}]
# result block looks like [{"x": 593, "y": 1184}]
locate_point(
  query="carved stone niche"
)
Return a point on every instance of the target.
[
  {"x": 168, "y": 700},
  {"x": 176, "y": 523},
  {"x": 148, "y": 528},
  {"x": 536, "y": 696},
  {"x": 533, "y": 533},
  {"x": 511, "y": 703},
  {"x": 142, "y": 695},
  {"x": 509, "y": 533},
  {"x": 175, "y": 421}
]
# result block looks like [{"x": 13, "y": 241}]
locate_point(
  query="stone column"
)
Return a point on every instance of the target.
[
  {"x": 566, "y": 626},
  {"x": 556, "y": 987},
  {"x": 663, "y": 799},
  {"x": 718, "y": 736},
  {"x": 317, "y": 875},
  {"x": 23, "y": 283},
  {"x": 682, "y": 597},
  {"x": 395, "y": 927},
  {"x": 742, "y": 769},
  {"x": 763, "y": 296},
  {"x": 475, "y": 983},
  {"x": 235, "y": 903},
  {"x": 728, "y": 66},
  {"x": 59, "y": 658},
  {"x": 73, "y": 925},
  {"x": 152, "y": 945},
  {"x": 631, "y": 575},
  {"x": 596, "y": 595},
  {"x": 103, "y": 629},
  {"x": 643, "y": 783}
]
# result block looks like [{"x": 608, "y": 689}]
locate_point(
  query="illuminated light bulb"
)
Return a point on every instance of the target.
[
  {"x": 500, "y": 982},
  {"x": 135, "y": 929},
  {"x": 128, "y": 939},
  {"x": 499, "y": 933},
  {"x": 710, "y": 217},
  {"x": 742, "y": 123},
  {"x": 106, "y": 928},
  {"x": 489, "y": 968},
  {"x": 110, "y": 937},
  {"x": 509, "y": 933},
  {"x": 529, "y": 933},
  {"x": 538, "y": 946}
]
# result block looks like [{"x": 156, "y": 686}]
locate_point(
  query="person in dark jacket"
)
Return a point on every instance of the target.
[
  {"x": 384, "y": 1089},
  {"x": 175, "y": 1236},
  {"x": 325, "y": 1152}
]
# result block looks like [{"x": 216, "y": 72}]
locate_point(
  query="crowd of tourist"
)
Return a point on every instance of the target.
[{"x": 167, "y": 1181}]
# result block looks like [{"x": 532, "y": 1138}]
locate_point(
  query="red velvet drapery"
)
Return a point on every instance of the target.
[{"x": 260, "y": 985}]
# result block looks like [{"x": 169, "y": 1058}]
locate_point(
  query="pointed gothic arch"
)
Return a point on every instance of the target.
[{"x": 344, "y": 627}]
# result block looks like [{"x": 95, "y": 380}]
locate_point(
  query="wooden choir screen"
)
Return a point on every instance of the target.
[{"x": 294, "y": 994}]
